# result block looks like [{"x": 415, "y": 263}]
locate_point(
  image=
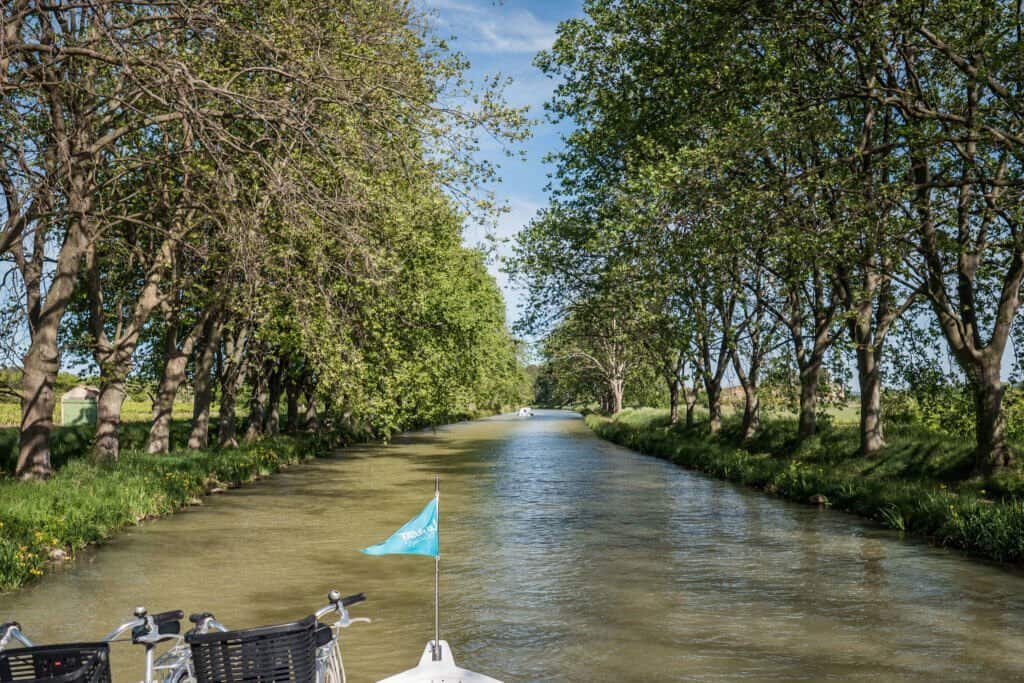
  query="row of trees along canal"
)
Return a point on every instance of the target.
[
  {"x": 756, "y": 184},
  {"x": 265, "y": 197}
]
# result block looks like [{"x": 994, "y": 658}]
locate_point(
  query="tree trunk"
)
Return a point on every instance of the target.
[
  {"x": 163, "y": 405},
  {"x": 199, "y": 437},
  {"x": 292, "y": 391},
  {"x": 673, "y": 400},
  {"x": 115, "y": 362},
  {"x": 108, "y": 415},
  {"x": 960, "y": 314},
  {"x": 226, "y": 426},
  {"x": 174, "y": 375},
  {"x": 312, "y": 423},
  {"x": 820, "y": 305},
  {"x": 748, "y": 377},
  {"x": 231, "y": 382},
  {"x": 808, "y": 426},
  {"x": 869, "y": 373},
  {"x": 751, "y": 411},
  {"x": 616, "y": 387},
  {"x": 714, "y": 408},
  {"x": 42, "y": 360},
  {"x": 232, "y": 376},
  {"x": 275, "y": 389},
  {"x": 37, "y": 402},
  {"x": 691, "y": 404},
  {"x": 257, "y": 404},
  {"x": 114, "y": 354},
  {"x": 992, "y": 451}
]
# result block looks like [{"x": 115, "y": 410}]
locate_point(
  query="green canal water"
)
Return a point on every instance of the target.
[{"x": 564, "y": 558}]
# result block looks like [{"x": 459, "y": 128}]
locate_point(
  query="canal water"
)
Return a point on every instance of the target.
[{"x": 564, "y": 558}]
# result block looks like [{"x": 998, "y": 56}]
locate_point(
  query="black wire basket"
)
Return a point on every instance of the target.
[
  {"x": 67, "y": 663},
  {"x": 270, "y": 654}
]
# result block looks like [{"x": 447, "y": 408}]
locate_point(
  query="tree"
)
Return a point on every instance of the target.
[
  {"x": 598, "y": 335},
  {"x": 240, "y": 170},
  {"x": 77, "y": 81}
]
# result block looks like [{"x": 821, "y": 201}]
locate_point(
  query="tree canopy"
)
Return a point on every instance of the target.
[
  {"x": 255, "y": 197},
  {"x": 797, "y": 178}
]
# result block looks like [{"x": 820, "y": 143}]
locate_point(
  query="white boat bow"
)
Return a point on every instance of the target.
[{"x": 443, "y": 671}]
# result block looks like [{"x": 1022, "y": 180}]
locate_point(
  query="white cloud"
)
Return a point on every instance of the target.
[
  {"x": 518, "y": 32},
  {"x": 493, "y": 28}
]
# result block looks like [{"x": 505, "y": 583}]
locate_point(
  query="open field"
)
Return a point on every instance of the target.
[{"x": 132, "y": 411}]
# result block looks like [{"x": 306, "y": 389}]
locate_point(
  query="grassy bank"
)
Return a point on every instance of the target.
[
  {"x": 921, "y": 483},
  {"x": 86, "y": 503}
]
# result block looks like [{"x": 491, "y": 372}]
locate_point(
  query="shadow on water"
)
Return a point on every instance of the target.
[{"x": 565, "y": 558}]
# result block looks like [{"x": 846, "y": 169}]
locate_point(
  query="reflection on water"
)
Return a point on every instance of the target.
[{"x": 564, "y": 558}]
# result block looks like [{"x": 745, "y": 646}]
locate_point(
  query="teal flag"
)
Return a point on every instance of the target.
[{"x": 418, "y": 536}]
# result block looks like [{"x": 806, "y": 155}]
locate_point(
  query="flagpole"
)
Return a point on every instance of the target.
[{"x": 436, "y": 656}]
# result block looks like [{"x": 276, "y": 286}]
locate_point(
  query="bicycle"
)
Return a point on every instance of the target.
[
  {"x": 176, "y": 665},
  {"x": 86, "y": 662},
  {"x": 304, "y": 650}
]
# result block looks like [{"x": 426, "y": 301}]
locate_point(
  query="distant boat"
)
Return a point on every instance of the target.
[
  {"x": 525, "y": 411},
  {"x": 442, "y": 670}
]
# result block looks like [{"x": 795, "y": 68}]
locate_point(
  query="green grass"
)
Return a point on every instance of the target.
[
  {"x": 844, "y": 414},
  {"x": 70, "y": 442},
  {"x": 86, "y": 503},
  {"x": 921, "y": 483},
  {"x": 10, "y": 414}
]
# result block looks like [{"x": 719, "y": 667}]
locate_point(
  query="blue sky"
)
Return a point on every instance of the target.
[{"x": 503, "y": 37}]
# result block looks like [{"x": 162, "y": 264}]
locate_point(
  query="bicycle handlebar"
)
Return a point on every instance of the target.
[
  {"x": 113, "y": 635},
  {"x": 204, "y": 622},
  {"x": 353, "y": 599},
  {"x": 149, "y": 628},
  {"x": 338, "y": 604}
]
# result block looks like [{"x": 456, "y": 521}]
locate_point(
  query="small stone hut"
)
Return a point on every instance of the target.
[{"x": 78, "y": 406}]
